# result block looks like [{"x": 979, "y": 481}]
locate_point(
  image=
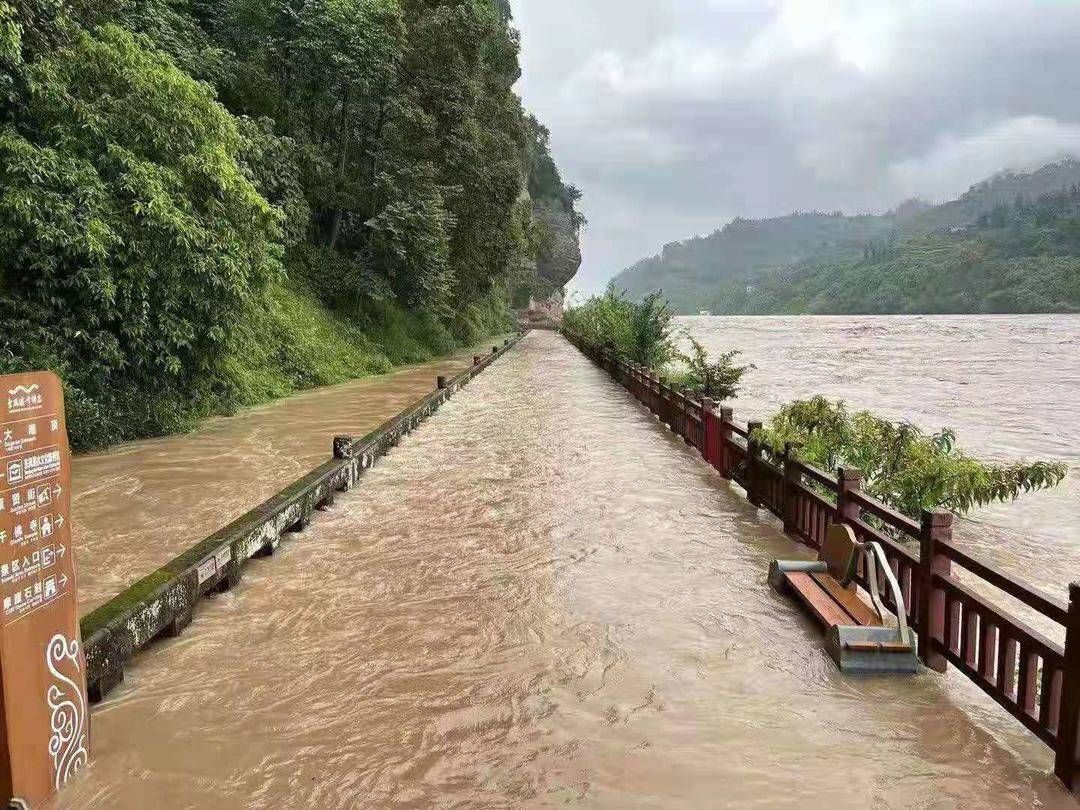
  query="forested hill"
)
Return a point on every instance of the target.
[
  {"x": 1003, "y": 246},
  {"x": 207, "y": 203}
]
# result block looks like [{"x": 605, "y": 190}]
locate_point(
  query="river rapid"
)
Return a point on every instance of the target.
[{"x": 541, "y": 598}]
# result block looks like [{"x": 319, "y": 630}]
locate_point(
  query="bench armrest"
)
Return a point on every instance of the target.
[{"x": 779, "y": 569}]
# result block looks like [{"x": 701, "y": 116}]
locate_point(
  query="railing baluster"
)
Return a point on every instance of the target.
[
  {"x": 968, "y": 630},
  {"x": 1049, "y": 695},
  {"x": 1025, "y": 682},
  {"x": 988, "y": 657},
  {"x": 1007, "y": 667},
  {"x": 952, "y": 623}
]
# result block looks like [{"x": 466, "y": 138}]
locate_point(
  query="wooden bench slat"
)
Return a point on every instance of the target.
[
  {"x": 860, "y": 612},
  {"x": 818, "y": 600}
]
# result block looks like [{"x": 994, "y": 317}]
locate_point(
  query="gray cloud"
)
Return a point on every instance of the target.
[{"x": 676, "y": 115}]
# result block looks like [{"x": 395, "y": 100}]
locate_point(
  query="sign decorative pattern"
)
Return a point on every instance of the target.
[{"x": 68, "y": 707}]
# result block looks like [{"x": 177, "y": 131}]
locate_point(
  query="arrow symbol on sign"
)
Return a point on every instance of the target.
[
  {"x": 59, "y": 520},
  {"x": 57, "y": 491},
  {"x": 61, "y": 551},
  {"x": 63, "y": 580}
]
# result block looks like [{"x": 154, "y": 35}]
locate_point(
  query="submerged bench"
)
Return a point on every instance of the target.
[{"x": 858, "y": 640}]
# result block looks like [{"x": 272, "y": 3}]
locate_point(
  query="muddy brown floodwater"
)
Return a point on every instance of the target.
[
  {"x": 140, "y": 504},
  {"x": 540, "y": 598}
]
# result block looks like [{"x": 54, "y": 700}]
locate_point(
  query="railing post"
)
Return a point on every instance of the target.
[
  {"x": 727, "y": 415},
  {"x": 848, "y": 479},
  {"x": 1068, "y": 734},
  {"x": 792, "y": 476},
  {"x": 753, "y": 451},
  {"x": 936, "y": 529},
  {"x": 684, "y": 414},
  {"x": 476, "y": 360},
  {"x": 708, "y": 430},
  {"x": 440, "y": 382}
]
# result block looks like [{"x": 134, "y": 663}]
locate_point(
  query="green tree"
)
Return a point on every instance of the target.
[
  {"x": 131, "y": 238},
  {"x": 902, "y": 466},
  {"x": 162, "y": 160}
]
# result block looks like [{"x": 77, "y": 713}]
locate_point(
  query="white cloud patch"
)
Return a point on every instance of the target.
[
  {"x": 676, "y": 115},
  {"x": 1017, "y": 143}
]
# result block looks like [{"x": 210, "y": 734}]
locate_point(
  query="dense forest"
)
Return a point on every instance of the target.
[
  {"x": 1007, "y": 245},
  {"x": 208, "y": 203}
]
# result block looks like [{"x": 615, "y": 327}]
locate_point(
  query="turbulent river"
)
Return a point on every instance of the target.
[
  {"x": 1008, "y": 385},
  {"x": 541, "y": 597}
]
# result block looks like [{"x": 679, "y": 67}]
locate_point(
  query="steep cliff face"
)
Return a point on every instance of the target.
[
  {"x": 555, "y": 225},
  {"x": 558, "y": 254}
]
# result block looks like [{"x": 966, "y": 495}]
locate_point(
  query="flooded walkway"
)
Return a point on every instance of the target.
[
  {"x": 140, "y": 504},
  {"x": 541, "y": 597}
]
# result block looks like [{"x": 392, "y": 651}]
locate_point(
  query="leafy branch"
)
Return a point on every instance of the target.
[{"x": 902, "y": 466}]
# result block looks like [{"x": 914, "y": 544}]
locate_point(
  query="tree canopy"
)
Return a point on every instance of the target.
[{"x": 167, "y": 167}]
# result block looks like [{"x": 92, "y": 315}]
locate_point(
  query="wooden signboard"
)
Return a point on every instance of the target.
[{"x": 44, "y": 734}]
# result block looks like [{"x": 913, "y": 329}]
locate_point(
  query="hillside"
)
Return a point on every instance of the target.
[
  {"x": 206, "y": 205},
  {"x": 834, "y": 263},
  {"x": 690, "y": 272}
]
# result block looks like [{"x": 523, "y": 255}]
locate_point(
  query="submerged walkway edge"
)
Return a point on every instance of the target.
[
  {"x": 1032, "y": 677},
  {"x": 163, "y": 603}
]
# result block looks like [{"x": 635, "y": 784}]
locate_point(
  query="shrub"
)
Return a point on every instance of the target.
[
  {"x": 902, "y": 466},
  {"x": 717, "y": 379},
  {"x": 642, "y": 332}
]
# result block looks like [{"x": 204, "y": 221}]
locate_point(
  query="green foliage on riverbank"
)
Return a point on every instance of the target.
[
  {"x": 641, "y": 332},
  {"x": 902, "y": 466},
  {"x": 644, "y": 333},
  {"x": 203, "y": 205},
  {"x": 716, "y": 378}
]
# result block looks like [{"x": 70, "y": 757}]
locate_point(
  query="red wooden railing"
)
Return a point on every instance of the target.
[{"x": 1034, "y": 678}]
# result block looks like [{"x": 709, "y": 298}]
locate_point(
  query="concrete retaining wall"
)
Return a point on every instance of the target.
[{"x": 163, "y": 603}]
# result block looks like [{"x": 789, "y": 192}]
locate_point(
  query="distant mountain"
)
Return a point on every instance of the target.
[{"x": 822, "y": 262}]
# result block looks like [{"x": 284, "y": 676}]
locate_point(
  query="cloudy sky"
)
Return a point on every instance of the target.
[{"x": 674, "y": 116}]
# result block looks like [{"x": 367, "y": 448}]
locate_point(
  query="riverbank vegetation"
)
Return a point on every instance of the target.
[
  {"x": 205, "y": 205},
  {"x": 644, "y": 332},
  {"x": 902, "y": 466}
]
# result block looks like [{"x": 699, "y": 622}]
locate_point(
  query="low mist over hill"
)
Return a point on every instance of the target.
[{"x": 1009, "y": 244}]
